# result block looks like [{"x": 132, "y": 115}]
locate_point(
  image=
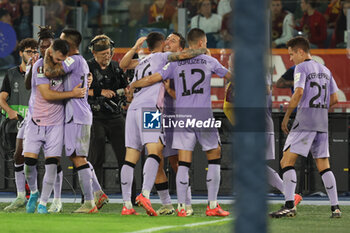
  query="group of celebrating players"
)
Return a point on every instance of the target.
[
  {"x": 59, "y": 114},
  {"x": 49, "y": 121}
]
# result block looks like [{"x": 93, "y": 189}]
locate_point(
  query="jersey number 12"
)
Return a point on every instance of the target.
[{"x": 193, "y": 90}]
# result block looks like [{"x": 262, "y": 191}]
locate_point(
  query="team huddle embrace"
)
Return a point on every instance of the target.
[{"x": 170, "y": 79}]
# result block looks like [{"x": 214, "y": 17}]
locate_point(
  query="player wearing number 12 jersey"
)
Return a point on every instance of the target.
[
  {"x": 192, "y": 85},
  {"x": 315, "y": 91},
  {"x": 135, "y": 136}
]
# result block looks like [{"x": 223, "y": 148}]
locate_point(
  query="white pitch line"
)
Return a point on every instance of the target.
[{"x": 181, "y": 226}]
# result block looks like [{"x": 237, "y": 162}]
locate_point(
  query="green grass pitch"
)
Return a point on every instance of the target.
[{"x": 310, "y": 218}]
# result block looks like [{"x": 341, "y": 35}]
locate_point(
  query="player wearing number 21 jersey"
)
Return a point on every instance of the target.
[
  {"x": 318, "y": 84},
  {"x": 315, "y": 92}
]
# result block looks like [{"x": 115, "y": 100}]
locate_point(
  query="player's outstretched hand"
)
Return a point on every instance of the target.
[
  {"x": 139, "y": 43},
  {"x": 79, "y": 92},
  {"x": 284, "y": 125},
  {"x": 32, "y": 60}
]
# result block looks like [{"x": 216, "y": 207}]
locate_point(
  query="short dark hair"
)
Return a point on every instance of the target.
[
  {"x": 45, "y": 32},
  {"x": 299, "y": 42},
  {"x": 182, "y": 39},
  {"x": 27, "y": 43},
  {"x": 194, "y": 35},
  {"x": 153, "y": 39},
  {"x": 73, "y": 35},
  {"x": 3, "y": 12},
  {"x": 61, "y": 45},
  {"x": 200, "y": 3},
  {"x": 313, "y": 3}
]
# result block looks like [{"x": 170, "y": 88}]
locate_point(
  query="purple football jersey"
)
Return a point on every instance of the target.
[
  {"x": 318, "y": 84},
  {"x": 77, "y": 71},
  {"x": 45, "y": 113},
  {"x": 192, "y": 80},
  {"x": 148, "y": 96}
]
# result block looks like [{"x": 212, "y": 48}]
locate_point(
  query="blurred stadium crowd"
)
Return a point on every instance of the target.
[{"x": 322, "y": 21}]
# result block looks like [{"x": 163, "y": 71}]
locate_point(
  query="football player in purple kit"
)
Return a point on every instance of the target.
[
  {"x": 78, "y": 118},
  {"x": 46, "y": 38},
  {"x": 135, "y": 136},
  {"x": 45, "y": 129},
  {"x": 175, "y": 42},
  {"x": 192, "y": 84},
  {"x": 315, "y": 91}
]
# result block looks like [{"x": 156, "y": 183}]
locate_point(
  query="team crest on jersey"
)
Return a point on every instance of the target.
[
  {"x": 152, "y": 119},
  {"x": 40, "y": 72},
  {"x": 297, "y": 77},
  {"x": 69, "y": 61}
]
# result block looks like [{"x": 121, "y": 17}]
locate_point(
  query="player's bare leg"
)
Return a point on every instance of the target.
[
  {"x": 126, "y": 177},
  {"x": 174, "y": 162}
]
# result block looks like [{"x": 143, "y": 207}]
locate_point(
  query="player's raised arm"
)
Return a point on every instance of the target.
[
  {"x": 146, "y": 81},
  {"x": 186, "y": 54},
  {"x": 292, "y": 105},
  {"x": 28, "y": 75},
  {"x": 127, "y": 62}
]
